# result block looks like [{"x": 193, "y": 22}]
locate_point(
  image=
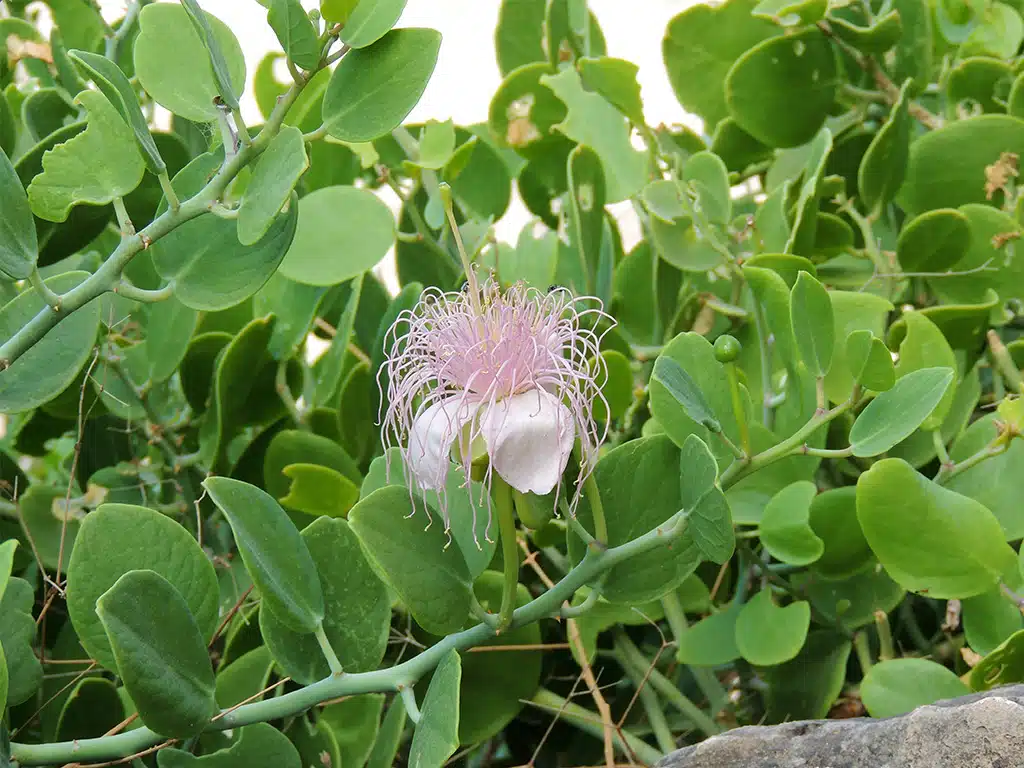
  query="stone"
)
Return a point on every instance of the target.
[{"x": 981, "y": 730}]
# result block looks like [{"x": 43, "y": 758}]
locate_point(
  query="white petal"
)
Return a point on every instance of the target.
[
  {"x": 529, "y": 439},
  {"x": 431, "y": 437}
]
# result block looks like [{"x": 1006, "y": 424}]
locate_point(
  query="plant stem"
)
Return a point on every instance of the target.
[
  {"x": 886, "y": 649},
  {"x": 655, "y": 717},
  {"x": 793, "y": 444},
  {"x": 636, "y": 663},
  {"x": 593, "y": 564},
  {"x": 52, "y": 299},
  {"x": 1003, "y": 362},
  {"x": 738, "y": 410},
  {"x": 412, "y": 709},
  {"x": 950, "y": 470},
  {"x": 588, "y": 722},
  {"x": 329, "y": 654},
  {"x": 108, "y": 275},
  {"x": 145, "y": 295},
  {"x": 509, "y": 551},
  {"x": 593, "y": 494},
  {"x": 767, "y": 413},
  {"x": 123, "y": 219},
  {"x": 169, "y": 194},
  {"x": 862, "y": 646}
]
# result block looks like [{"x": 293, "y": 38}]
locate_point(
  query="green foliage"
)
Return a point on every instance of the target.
[{"x": 213, "y": 480}]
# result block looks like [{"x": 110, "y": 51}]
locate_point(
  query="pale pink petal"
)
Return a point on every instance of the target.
[
  {"x": 529, "y": 439},
  {"x": 431, "y": 437}
]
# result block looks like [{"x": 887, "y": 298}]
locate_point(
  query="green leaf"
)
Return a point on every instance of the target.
[
  {"x": 711, "y": 642},
  {"x": 710, "y": 522},
  {"x": 389, "y": 738},
  {"x": 998, "y": 481},
  {"x": 587, "y": 191},
  {"x": 329, "y": 368},
  {"x": 4, "y": 679},
  {"x": 370, "y": 20},
  {"x": 6, "y": 562},
  {"x": 519, "y": 35},
  {"x": 766, "y": 634},
  {"x": 294, "y": 305},
  {"x": 636, "y": 498},
  {"x": 173, "y": 63},
  {"x": 437, "y": 142},
  {"x": 786, "y": 530},
  {"x": 770, "y": 290},
  {"x": 806, "y": 687},
  {"x": 19, "y": 248},
  {"x": 593, "y": 122},
  {"x": 352, "y": 223},
  {"x": 933, "y": 241},
  {"x": 357, "y": 609},
  {"x": 18, "y": 639},
  {"x": 707, "y": 176},
  {"x": 989, "y": 619},
  {"x": 811, "y": 312},
  {"x": 930, "y": 539},
  {"x": 318, "y": 490},
  {"x": 870, "y": 361},
  {"x": 885, "y": 163},
  {"x": 947, "y": 166},
  {"x": 390, "y": 75},
  {"x": 1002, "y": 666},
  {"x": 897, "y": 412},
  {"x": 118, "y": 538},
  {"x": 160, "y": 652},
  {"x": 244, "y": 678},
  {"x": 259, "y": 745},
  {"x": 169, "y": 328},
  {"x": 273, "y": 552},
  {"x": 113, "y": 84},
  {"x": 437, "y": 733},
  {"x": 277, "y": 172},
  {"x": 790, "y": 12},
  {"x": 988, "y": 261},
  {"x": 495, "y": 683},
  {"x": 295, "y": 32},
  {"x": 210, "y": 268},
  {"x": 684, "y": 410},
  {"x": 355, "y": 723},
  {"x": 833, "y": 519},
  {"x": 924, "y": 346},
  {"x": 699, "y": 48},
  {"x": 781, "y": 90},
  {"x": 616, "y": 81},
  {"x": 684, "y": 391},
  {"x": 469, "y": 525},
  {"x": 565, "y": 32},
  {"x": 897, "y": 686},
  {"x": 290, "y": 447},
  {"x": 852, "y": 602},
  {"x": 223, "y": 76},
  {"x": 265, "y": 85},
  {"x": 53, "y": 363},
  {"x": 429, "y": 577},
  {"x": 96, "y": 166}
]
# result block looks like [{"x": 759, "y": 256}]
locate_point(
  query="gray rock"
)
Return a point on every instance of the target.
[{"x": 982, "y": 730}]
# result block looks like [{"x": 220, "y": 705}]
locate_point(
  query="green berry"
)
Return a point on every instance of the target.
[{"x": 727, "y": 349}]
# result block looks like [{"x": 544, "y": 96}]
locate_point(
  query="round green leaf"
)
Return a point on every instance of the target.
[
  {"x": 342, "y": 231},
  {"x": 210, "y": 268},
  {"x": 997, "y": 482},
  {"x": 699, "y": 48},
  {"x": 370, "y": 20},
  {"x": 117, "y": 538},
  {"x": 852, "y": 311},
  {"x": 805, "y": 688},
  {"x": 519, "y": 35},
  {"x": 437, "y": 733},
  {"x": 259, "y": 745},
  {"x": 1003, "y": 665},
  {"x": 811, "y": 312},
  {"x": 430, "y": 577},
  {"x": 870, "y": 361},
  {"x": 781, "y": 90},
  {"x": 853, "y": 601},
  {"x": 636, "y": 498},
  {"x": 930, "y": 539},
  {"x": 160, "y": 653},
  {"x": 785, "y": 525},
  {"x": 373, "y": 89},
  {"x": 357, "y": 609},
  {"x": 989, "y": 619},
  {"x": 18, "y": 640},
  {"x": 894, "y": 414},
  {"x": 19, "y": 248},
  {"x": 897, "y": 686},
  {"x": 49, "y": 366},
  {"x": 274, "y": 554},
  {"x": 885, "y": 163},
  {"x": 833, "y": 518},
  {"x": 933, "y": 241},
  {"x": 277, "y": 172},
  {"x": 924, "y": 346},
  {"x": 711, "y": 642},
  {"x": 173, "y": 64},
  {"x": 766, "y": 634},
  {"x": 947, "y": 166},
  {"x": 993, "y": 240}
]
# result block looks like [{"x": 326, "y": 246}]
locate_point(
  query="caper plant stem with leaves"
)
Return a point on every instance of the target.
[
  {"x": 107, "y": 279},
  {"x": 393, "y": 679}
]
